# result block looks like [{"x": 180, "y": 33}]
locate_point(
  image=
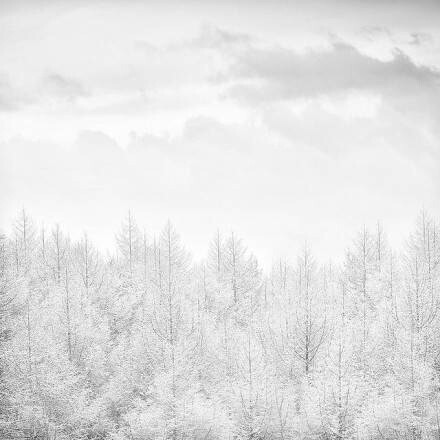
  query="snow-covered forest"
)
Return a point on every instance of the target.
[{"x": 147, "y": 344}]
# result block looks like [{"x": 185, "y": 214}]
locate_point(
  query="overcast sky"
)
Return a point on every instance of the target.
[{"x": 284, "y": 121}]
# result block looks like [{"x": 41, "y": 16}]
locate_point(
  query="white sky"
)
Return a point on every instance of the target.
[{"x": 284, "y": 121}]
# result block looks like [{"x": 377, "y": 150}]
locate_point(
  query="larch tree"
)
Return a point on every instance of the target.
[
  {"x": 58, "y": 253},
  {"x": 310, "y": 327},
  {"x": 170, "y": 319},
  {"x": 129, "y": 241},
  {"x": 360, "y": 269},
  {"x": 88, "y": 266}
]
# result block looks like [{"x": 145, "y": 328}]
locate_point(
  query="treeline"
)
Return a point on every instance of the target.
[{"x": 146, "y": 344}]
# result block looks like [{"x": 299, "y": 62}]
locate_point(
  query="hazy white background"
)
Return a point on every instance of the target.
[{"x": 253, "y": 116}]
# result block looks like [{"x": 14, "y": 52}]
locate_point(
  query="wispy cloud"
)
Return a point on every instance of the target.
[
  {"x": 11, "y": 98},
  {"x": 55, "y": 87},
  {"x": 212, "y": 37},
  {"x": 61, "y": 87},
  {"x": 278, "y": 74},
  {"x": 420, "y": 38}
]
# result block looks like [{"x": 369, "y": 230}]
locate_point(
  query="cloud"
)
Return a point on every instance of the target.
[
  {"x": 212, "y": 37},
  {"x": 96, "y": 143},
  {"x": 372, "y": 32},
  {"x": 15, "y": 96},
  {"x": 11, "y": 98},
  {"x": 420, "y": 38},
  {"x": 316, "y": 126},
  {"x": 7, "y": 99},
  {"x": 61, "y": 87},
  {"x": 277, "y": 74}
]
